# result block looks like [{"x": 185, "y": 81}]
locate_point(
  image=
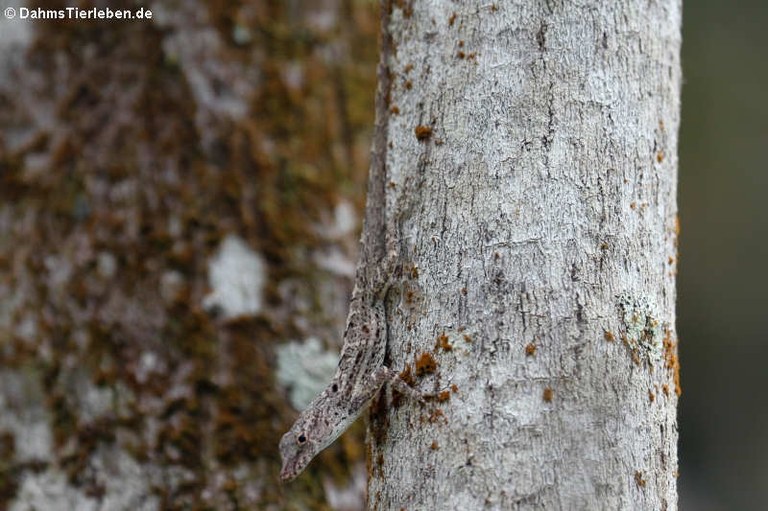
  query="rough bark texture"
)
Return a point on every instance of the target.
[
  {"x": 538, "y": 141},
  {"x": 177, "y": 200}
]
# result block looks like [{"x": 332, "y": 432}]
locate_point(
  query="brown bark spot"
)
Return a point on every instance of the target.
[
  {"x": 442, "y": 342},
  {"x": 425, "y": 364},
  {"x": 422, "y": 132}
]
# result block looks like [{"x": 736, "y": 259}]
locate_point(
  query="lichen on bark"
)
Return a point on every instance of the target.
[{"x": 129, "y": 153}]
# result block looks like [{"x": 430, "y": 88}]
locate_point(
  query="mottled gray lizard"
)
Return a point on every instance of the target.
[
  {"x": 360, "y": 374},
  {"x": 361, "y": 371}
]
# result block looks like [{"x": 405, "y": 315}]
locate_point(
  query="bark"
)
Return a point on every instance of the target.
[
  {"x": 536, "y": 143},
  {"x": 178, "y": 206}
]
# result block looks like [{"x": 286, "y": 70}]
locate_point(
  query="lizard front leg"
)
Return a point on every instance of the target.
[{"x": 385, "y": 375}]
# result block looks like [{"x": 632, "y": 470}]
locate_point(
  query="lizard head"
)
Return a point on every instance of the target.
[
  {"x": 309, "y": 435},
  {"x": 296, "y": 450},
  {"x": 315, "y": 429}
]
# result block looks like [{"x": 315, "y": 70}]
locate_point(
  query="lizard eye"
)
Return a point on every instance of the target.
[
  {"x": 301, "y": 438},
  {"x": 335, "y": 388}
]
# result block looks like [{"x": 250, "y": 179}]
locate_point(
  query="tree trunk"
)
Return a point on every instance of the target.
[
  {"x": 536, "y": 143},
  {"x": 176, "y": 206}
]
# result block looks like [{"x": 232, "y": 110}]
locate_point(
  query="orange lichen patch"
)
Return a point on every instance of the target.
[
  {"x": 443, "y": 343},
  {"x": 408, "y": 68},
  {"x": 425, "y": 364},
  {"x": 467, "y": 338},
  {"x": 651, "y": 396},
  {"x": 461, "y": 54},
  {"x": 407, "y": 376},
  {"x": 408, "y": 85},
  {"x": 671, "y": 260},
  {"x": 633, "y": 205},
  {"x": 406, "y": 7},
  {"x": 436, "y": 415},
  {"x": 676, "y": 227},
  {"x": 444, "y": 396},
  {"x": 660, "y": 156},
  {"x": 452, "y": 19},
  {"x": 639, "y": 479},
  {"x": 394, "y": 109},
  {"x": 548, "y": 394},
  {"x": 434, "y": 445},
  {"x": 422, "y": 132},
  {"x": 671, "y": 360},
  {"x": 665, "y": 389},
  {"x": 608, "y": 336},
  {"x": 530, "y": 349},
  {"x": 454, "y": 388}
]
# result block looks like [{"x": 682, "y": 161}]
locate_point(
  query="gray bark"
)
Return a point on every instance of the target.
[{"x": 536, "y": 142}]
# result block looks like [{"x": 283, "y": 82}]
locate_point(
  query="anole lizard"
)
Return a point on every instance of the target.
[
  {"x": 361, "y": 371},
  {"x": 360, "y": 374}
]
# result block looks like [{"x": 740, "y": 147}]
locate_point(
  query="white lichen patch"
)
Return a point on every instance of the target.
[
  {"x": 349, "y": 496},
  {"x": 50, "y": 490},
  {"x": 237, "y": 276},
  {"x": 644, "y": 332},
  {"x": 338, "y": 224},
  {"x": 241, "y": 34},
  {"x": 126, "y": 482},
  {"x": 221, "y": 88},
  {"x": 337, "y": 228},
  {"x": 93, "y": 402},
  {"x": 21, "y": 398},
  {"x": 335, "y": 261},
  {"x": 106, "y": 265},
  {"x": 149, "y": 363},
  {"x": 126, "y": 486},
  {"x": 305, "y": 368},
  {"x": 59, "y": 271},
  {"x": 293, "y": 75},
  {"x": 345, "y": 218},
  {"x": 26, "y": 328},
  {"x": 15, "y": 35}
]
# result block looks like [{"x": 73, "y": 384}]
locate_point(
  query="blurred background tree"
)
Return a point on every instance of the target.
[{"x": 178, "y": 198}]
